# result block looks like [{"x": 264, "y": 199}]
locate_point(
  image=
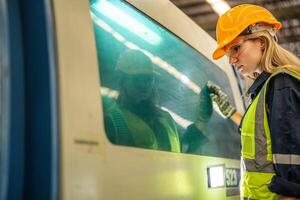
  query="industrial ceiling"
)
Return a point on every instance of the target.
[{"x": 287, "y": 12}]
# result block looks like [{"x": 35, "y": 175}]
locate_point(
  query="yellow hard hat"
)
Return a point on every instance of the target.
[{"x": 236, "y": 20}]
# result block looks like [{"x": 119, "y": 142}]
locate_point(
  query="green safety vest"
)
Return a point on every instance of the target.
[
  {"x": 257, "y": 163},
  {"x": 127, "y": 123}
]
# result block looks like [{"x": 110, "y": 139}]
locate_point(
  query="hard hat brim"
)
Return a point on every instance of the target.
[{"x": 219, "y": 52}]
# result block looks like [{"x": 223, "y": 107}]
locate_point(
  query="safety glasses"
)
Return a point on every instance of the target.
[{"x": 233, "y": 49}]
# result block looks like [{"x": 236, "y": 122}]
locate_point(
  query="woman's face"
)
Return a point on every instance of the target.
[{"x": 245, "y": 55}]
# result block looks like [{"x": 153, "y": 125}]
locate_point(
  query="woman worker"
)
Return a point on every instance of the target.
[{"x": 270, "y": 128}]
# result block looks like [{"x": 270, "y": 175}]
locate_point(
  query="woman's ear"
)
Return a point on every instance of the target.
[{"x": 262, "y": 44}]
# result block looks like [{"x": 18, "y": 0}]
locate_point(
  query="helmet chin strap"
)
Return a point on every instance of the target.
[{"x": 275, "y": 38}]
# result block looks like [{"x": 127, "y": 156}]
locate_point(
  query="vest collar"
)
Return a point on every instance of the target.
[{"x": 258, "y": 84}]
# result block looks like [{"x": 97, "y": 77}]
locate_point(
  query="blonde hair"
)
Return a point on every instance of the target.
[{"x": 274, "y": 56}]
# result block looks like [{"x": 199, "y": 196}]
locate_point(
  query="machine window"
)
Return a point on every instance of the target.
[
  {"x": 153, "y": 86},
  {"x": 2, "y": 53}
]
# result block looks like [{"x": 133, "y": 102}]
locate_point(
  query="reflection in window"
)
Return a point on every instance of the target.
[{"x": 152, "y": 86}]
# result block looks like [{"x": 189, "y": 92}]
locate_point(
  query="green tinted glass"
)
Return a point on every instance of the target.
[{"x": 150, "y": 85}]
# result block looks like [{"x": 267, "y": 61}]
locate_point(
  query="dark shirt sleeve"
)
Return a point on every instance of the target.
[{"x": 283, "y": 106}]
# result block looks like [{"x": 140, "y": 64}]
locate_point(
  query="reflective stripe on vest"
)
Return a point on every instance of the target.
[
  {"x": 257, "y": 164},
  {"x": 289, "y": 159},
  {"x": 173, "y": 136}
]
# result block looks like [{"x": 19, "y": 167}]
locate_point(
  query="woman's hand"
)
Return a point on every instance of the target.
[{"x": 221, "y": 99}]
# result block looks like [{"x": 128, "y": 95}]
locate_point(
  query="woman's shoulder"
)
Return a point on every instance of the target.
[{"x": 283, "y": 80}]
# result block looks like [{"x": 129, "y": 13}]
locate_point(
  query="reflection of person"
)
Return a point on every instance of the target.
[
  {"x": 270, "y": 128},
  {"x": 135, "y": 118}
]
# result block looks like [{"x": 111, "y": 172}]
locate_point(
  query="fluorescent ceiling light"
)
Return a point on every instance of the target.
[
  {"x": 219, "y": 6},
  {"x": 123, "y": 19}
]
